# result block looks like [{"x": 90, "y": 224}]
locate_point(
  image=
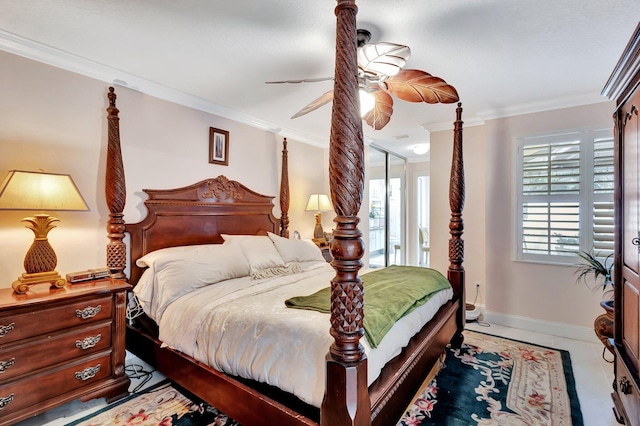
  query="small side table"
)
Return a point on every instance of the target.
[
  {"x": 323, "y": 245},
  {"x": 326, "y": 253}
]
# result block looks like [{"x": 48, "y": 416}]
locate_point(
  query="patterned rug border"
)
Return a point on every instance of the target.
[
  {"x": 126, "y": 399},
  {"x": 567, "y": 367}
]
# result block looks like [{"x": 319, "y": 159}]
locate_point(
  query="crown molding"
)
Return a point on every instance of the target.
[
  {"x": 448, "y": 125},
  {"x": 30, "y": 49},
  {"x": 547, "y": 105},
  {"x": 521, "y": 109},
  {"x": 58, "y": 58},
  {"x": 625, "y": 70}
]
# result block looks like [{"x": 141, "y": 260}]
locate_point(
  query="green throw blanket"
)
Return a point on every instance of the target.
[{"x": 389, "y": 294}]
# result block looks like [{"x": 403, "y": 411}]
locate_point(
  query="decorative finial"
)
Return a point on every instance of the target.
[{"x": 112, "y": 97}]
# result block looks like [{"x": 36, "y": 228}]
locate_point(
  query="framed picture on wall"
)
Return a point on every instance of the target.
[{"x": 218, "y": 146}]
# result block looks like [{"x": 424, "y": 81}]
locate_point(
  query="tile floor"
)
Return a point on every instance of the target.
[{"x": 593, "y": 376}]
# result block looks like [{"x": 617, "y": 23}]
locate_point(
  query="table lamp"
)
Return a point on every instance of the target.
[
  {"x": 318, "y": 203},
  {"x": 23, "y": 190}
]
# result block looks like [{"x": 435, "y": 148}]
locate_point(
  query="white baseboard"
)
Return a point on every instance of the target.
[{"x": 540, "y": 326}]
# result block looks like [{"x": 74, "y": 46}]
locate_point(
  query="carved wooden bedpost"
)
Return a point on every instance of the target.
[
  {"x": 455, "y": 272},
  {"x": 115, "y": 190},
  {"x": 284, "y": 192},
  {"x": 346, "y": 401}
]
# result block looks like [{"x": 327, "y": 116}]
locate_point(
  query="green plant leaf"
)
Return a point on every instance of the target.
[{"x": 593, "y": 266}]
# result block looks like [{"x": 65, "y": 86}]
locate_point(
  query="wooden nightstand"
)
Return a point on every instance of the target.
[
  {"x": 323, "y": 245},
  {"x": 57, "y": 345},
  {"x": 326, "y": 253}
]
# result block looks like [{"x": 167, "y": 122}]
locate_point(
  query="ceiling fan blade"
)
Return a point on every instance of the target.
[
  {"x": 382, "y": 58},
  {"x": 304, "y": 80},
  {"x": 420, "y": 86},
  {"x": 325, "y": 98},
  {"x": 380, "y": 115}
]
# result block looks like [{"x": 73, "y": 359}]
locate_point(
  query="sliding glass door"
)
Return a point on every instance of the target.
[
  {"x": 422, "y": 214},
  {"x": 387, "y": 208}
]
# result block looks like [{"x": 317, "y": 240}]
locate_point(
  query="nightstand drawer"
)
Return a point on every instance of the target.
[
  {"x": 19, "y": 326},
  {"x": 36, "y": 353},
  {"x": 38, "y": 388}
]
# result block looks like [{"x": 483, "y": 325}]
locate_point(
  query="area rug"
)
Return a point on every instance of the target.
[
  {"x": 163, "y": 404},
  {"x": 489, "y": 381},
  {"x": 497, "y": 381}
]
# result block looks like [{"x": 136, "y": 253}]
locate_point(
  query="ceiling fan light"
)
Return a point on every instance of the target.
[
  {"x": 421, "y": 149},
  {"x": 367, "y": 101}
]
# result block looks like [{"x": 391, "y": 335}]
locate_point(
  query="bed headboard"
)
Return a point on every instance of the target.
[
  {"x": 194, "y": 214},
  {"x": 199, "y": 214}
]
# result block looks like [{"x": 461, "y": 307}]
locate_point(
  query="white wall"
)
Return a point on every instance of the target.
[
  {"x": 539, "y": 291},
  {"x": 475, "y": 165},
  {"x": 528, "y": 295},
  {"x": 305, "y": 161},
  {"x": 55, "y": 120}
]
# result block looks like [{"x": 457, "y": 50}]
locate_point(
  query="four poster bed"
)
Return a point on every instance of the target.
[{"x": 216, "y": 213}]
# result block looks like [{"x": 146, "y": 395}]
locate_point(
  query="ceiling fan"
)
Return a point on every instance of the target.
[{"x": 380, "y": 75}]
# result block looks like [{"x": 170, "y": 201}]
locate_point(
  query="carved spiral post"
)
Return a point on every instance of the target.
[
  {"x": 347, "y": 400},
  {"x": 284, "y": 192},
  {"x": 115, "y": 191},
  {"x": 455, "y": 272}
]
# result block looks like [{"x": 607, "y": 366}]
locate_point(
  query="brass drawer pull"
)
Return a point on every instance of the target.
[
  {"x": 5, "y": 329},
  {"x": 88, "y": 342},
  {"x": 88, "y": 312},
  {"x": 4, "y": 401},
  {"x": 4, "y": 365},
  {"x": 88, "y": 373}
]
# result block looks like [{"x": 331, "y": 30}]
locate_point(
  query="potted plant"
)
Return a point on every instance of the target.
[{"x": 591, "y": 266}]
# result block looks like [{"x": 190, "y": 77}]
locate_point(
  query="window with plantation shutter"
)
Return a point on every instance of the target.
[
  {"x": 603, "y": 196},
  {"x": 565, "y": 196}
]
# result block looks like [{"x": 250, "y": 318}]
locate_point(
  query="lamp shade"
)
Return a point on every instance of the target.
[
  {"x": 22, "y": 190},
  {"x": 319, "y": 203}
]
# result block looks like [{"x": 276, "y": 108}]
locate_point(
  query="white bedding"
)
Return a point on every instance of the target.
[{"x": 242, "y": 327}]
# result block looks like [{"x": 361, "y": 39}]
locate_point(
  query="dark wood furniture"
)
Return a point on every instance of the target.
[
  {"x": 326, "y": 253},
  {"x": 57, "y": 345},
  {"x": 624, "y": 87},
  {"x": 199, "y": 213},
  {"x": 324, "y": 248}
]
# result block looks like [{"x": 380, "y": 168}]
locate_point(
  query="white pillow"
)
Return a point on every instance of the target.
[
  {"x": 175, "y": 271},
  {"x": 197, "y": 253},
  {"x": 296, "y": 250},
  {"x": 259, "y": 251}
]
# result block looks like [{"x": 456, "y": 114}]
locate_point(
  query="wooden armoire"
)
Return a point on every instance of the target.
[{"x": 624, "y": 87}]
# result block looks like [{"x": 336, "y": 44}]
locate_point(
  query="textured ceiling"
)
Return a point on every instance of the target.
[{"x": 504, "y": 57}]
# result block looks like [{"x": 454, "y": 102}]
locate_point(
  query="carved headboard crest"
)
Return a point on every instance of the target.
[{"x": 220, "y": 189}]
